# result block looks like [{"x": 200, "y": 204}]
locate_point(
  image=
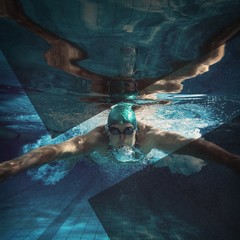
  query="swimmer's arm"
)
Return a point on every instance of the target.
[
  {"x": 198, "y": 148},
  {"x": 210, "y": 152},
  {"x": 63, "y": 151}
]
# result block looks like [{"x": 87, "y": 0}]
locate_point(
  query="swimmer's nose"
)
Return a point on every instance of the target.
[{"x": 122, "y": 137}]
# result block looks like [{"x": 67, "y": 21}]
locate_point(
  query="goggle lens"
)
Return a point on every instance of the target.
[{"x": 126, "y": 131}]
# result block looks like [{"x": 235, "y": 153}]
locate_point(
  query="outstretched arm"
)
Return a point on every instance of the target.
[
  {"x": 211, "y": 152},
  {"x": 171, "y": 142},
  {"x": 46, "y": 154}
]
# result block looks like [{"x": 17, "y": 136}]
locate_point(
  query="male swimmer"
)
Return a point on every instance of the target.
[{"x": 122, "y": 131}]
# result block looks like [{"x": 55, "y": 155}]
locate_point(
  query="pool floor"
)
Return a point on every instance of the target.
[{"x": 30, "y": 210}]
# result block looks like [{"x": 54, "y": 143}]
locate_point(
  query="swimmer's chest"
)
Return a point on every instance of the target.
[
  {"x": 106, "y": 156},
  {"x": 101, "y": 157}
]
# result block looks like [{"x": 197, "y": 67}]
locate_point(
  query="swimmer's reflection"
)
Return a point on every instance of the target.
[
  {"x": 65, "y": 55},
  {"x": 121, "y": 131}
]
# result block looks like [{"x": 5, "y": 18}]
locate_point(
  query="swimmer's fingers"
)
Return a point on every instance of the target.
[
  {"x": 8, "y": 168},
  {"x": 3, "y": 176},
  {"x": 233, "y": 163},
  {"x": 236, "y": 164},
  {"x": 4, "y": 172}
]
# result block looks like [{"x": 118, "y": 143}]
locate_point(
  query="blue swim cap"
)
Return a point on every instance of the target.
[{"x": 122, "y": 113}]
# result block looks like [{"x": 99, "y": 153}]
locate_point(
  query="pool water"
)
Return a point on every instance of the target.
[{"x": 160, "y": 197}]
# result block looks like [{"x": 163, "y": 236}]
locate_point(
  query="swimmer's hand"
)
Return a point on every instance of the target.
[
  {"x": 12, "y": 167},
  {"x": 236, "y": 163},
  {"x": 35, "y": 158},
  {"x": 211, "y": 152},
  {"x": 6, "y": 169}
]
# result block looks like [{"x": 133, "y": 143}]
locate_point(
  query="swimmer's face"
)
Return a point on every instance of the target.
[{"x": 122, "y": 134}]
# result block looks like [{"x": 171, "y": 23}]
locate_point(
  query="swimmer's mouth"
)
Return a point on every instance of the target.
[{"x": 122, "y": 146}]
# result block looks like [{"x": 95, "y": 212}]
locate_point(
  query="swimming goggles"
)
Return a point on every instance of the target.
[{"x": 126, "y": 131}]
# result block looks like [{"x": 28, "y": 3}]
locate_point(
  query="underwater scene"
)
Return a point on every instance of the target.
[{"x": 65, "y": 67}]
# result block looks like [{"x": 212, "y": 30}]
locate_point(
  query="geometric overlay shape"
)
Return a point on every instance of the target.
[{"x": 156, "y": 204}]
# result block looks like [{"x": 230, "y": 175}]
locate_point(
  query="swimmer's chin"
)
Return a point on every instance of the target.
[{"x": 122, "y": 146}]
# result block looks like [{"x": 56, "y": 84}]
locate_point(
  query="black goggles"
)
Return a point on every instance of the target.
[{"x": 126, "y": 131}]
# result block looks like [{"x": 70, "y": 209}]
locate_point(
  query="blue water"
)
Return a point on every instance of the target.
[
  {"x": 56, "y": 207},
  {"x": 175, "y": 198}
]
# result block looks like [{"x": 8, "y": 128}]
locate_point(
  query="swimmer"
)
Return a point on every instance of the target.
[{"x": 122, "y": 130}]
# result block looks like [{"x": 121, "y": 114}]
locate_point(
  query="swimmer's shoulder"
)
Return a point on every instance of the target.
[
  {"x": 94, "y": 140},
  {"x": 143, "y": 132},
  {"x": 98, "y": 137},
  {"x": 143, "y": 140},
  {"x": 146, "y": 133},
  {"x": 98, "y": 133},
  {"x": 143, "y": 128}
]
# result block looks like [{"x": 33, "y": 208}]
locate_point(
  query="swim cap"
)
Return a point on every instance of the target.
[{"x": 122, "y": 113}]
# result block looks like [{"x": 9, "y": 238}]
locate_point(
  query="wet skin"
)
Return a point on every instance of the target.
[
  {"x": 121, "y": 140},
  {"x": 99, "y": 139}
]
